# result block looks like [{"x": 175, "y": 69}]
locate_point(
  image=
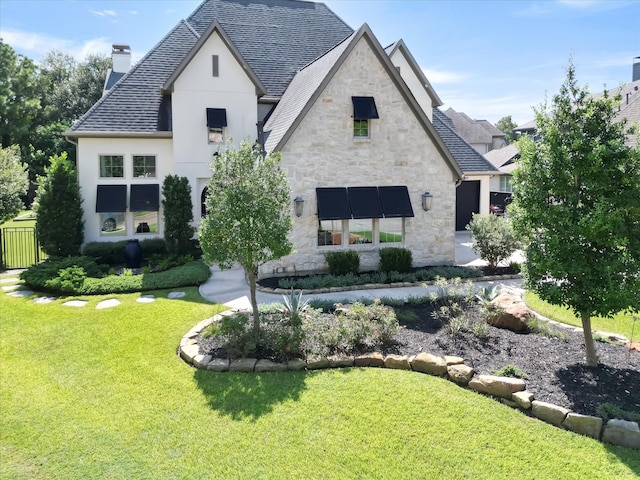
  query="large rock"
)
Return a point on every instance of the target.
[
  {"x": 514, "y": 314},
  {"x": 338, "y": 361},
  {"x": 549, "y": 412},
  {"x": 460, "y": 374},
  {"x": 622, "y": 433},
  {"x": 187, "y": 352},
  {"x": 583, "y": 424},
  {"x": 502, "y": 387},
  {"x": 218, "y": 364},
  {"x": 400, "y": 362},
  {"x": 317, "y": 362},
  {"x": 523, "y": 399},
  {"x": 243, "y": 365},
  {"x": 201, "y": 361},
  {"x": 374, "y": 359},
  {"x": 427, "y": 363},
  {"x": 265, "y": 365},
  {"x": 296, "y": 364}
]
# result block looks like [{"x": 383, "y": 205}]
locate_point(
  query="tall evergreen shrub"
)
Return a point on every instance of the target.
[{"x": 178, "y": 214}]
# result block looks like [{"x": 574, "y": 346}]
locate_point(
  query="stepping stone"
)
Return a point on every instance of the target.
[
  {"x": 21, "y": 293},
  {"x": 75, "y": 303},
  {"x": 44, "y": 300},
  {"x": 9, "y": 280},
  {"x": 11, "y": 288},
  {"x": 173, "y": 295},
  {"x": 146, "y": 299},
  {"x": 112, "y": 302}
]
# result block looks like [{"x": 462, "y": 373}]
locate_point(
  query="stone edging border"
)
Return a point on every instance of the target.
[
  {"x": 509, "y": 391},
  {"x": 373, "y": 286}
]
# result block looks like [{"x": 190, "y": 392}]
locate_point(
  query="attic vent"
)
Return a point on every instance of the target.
[{"x": 214, "y": 63}]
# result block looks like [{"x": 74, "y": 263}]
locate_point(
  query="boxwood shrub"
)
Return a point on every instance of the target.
[
  {"x": 395, "y": 259},
  {"x": 112, "y": 253},
  {"x": 342, "y": 263}
]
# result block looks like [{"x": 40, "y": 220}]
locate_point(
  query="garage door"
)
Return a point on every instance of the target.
[{"x": 467, "y": 202}]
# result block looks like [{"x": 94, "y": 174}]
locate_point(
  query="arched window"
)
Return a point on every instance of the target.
[{"x": 203, "y": 200}]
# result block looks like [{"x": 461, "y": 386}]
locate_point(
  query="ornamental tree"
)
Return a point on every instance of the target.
[
  {"x": 577, "y": 202},
  {"x": 178, "y": 214},
  {"x": 14, "y": 182},
  {"x": 248, "y": 218},
  {"x": 59, "y": 209}
]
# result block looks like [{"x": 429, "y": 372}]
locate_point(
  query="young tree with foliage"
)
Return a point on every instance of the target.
[
  {"x": 506, "y": 126},
  {"x": 59, "y": 209},
  {"x": 178, "y": 214},
  {"x": 577, "y": 202},
  {"x": 493, "y": 238},
  {"x": 13, "y": 182},
  {"x": 248, "y": 213}
]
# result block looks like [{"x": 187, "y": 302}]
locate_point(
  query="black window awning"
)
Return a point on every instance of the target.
[
  {"x": 395, "y": 202},
  {"x": 216, "y": 117},
  {"x": 364, "y": 202},
  {"x": 111, "y": 198},
  {"x": 364, "y": 108},
  {"x": 333, "y": 203},
  {"x": 145, "y": 198}
]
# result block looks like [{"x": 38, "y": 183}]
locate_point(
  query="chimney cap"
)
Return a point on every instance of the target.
[{"x": 121, "y": 48}]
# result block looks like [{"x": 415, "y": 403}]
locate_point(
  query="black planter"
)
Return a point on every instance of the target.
[{"x": 133, "y": 254}]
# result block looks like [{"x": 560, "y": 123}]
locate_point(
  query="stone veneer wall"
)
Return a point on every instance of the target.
[{"x": 323, "y": 153}]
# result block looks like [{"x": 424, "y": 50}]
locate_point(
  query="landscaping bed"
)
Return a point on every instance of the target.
[{"x": 555, "y": 367}]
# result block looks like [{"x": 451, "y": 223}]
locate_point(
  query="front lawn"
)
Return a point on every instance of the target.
[
  {"x": 89, "y": 393},
  {"x": 621, "y": 323}
]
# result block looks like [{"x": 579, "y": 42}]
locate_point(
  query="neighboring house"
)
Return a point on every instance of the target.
[
  {"x": 474, "y": 193},
  {"x": 352, "y": 121},
  {"x": 480, "y": 134}
]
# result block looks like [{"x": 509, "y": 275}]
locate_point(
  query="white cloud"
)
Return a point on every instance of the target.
[
  {"x": 36, "y": 45},
  {"x": 441, "y": 76},
  {"x": 104, "y": 13}
]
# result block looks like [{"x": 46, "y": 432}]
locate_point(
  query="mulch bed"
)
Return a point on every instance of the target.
[{"x": 555, "y": 367}]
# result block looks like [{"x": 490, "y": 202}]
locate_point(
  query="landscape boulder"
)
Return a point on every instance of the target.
[
  {"x": 623, "y": 433},
  {"x": 427, "y": 363},
  {"x": 583, "y": 424},
  {"x": 460, "y": 374},
  {"x": 549, "y": 412},
  {"x": 513, "y": 314},
  {"x": 502, "y": 387}
]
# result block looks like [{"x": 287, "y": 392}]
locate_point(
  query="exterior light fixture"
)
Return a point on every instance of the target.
[
  {"x": 299, "y": 205},
  {"x": 427, "y": 198}
]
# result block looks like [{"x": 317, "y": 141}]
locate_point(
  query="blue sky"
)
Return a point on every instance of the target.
[{"x": 487, "y": 59}]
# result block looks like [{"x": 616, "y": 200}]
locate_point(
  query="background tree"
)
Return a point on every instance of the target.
[
  {"x": 59, "y": 209},
  {"x": 248, "y": 218},
  {"x": 506, "y": 126},
  {"x": 13, "y": 182},
  {"x": 577, "y": 201},
  {"x": 178, "y": 214}
]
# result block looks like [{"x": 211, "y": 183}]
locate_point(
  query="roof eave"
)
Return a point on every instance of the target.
[
  {"x": 115, "y": 134},
  {"x": 402, "y": 47}
]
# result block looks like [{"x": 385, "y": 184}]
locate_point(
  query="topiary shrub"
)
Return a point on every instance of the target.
[
  {"x": 395, "y": 259},
  {"x": 178, "y": 214},
  {"x": 342, "y": 263},
  {"x": 109, "y": 253}
]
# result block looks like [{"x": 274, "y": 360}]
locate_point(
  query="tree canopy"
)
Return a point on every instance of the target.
[
  {"x": 506, "y": 126},
  {"x": 577, "y": 202},
  {"x": 13, "y": 182},
  {"x": 248, "y": 213}
]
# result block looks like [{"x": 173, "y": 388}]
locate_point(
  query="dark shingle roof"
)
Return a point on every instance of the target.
[
  {"x": 469, "y": 160},
  {"x": 275, "y": 37}
]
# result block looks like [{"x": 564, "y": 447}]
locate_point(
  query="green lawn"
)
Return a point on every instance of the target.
[
  {"x": 88, "y": 393},
  {"x": 621, "y": 323}
]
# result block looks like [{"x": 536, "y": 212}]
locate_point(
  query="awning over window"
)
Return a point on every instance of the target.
[
  {"x": 395, "y": 202},
  {"x": 364, "y": 202},
  {"x": 333, "y": 203},
  {"x": 364, "y": 108},
  {"x": 145, "y": 198},
  {"x": 111, "y": 198},
  {"x": 216, "y": 117}
]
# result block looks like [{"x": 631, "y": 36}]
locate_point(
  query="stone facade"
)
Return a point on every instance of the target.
[{"x": 322, "y": 152}]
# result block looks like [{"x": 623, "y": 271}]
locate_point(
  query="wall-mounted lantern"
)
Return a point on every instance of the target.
[
  {"x": 299, "y": 205},
  {"x": 427, "y": 198}
]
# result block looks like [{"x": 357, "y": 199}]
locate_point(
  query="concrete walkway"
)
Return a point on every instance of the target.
[{"x": 230, "y": 287}]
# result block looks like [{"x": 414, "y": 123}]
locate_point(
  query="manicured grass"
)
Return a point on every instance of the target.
[
  {"x": 621, "y": 323},
  {"x": 89, "y": 393},
  {"x": 23, "y": 219}
]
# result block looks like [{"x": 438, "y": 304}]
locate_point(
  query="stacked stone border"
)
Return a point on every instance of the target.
[
  {"x": 374, "y": 286},
  {"x": 509, "y": 391}
]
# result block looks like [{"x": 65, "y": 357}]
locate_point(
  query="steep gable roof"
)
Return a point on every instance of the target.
[
  {"x": 273, "y": 39},
  {"x": 402, "y": 47},
  {"x": 504, "y": 158},
  {"x": 473, "y": 131},
  {"x": 468, "y": 158},
  {"x": 308, "y": 84}
]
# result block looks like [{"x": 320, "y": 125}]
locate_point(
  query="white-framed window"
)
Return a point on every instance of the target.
[
  {"x": 330, "y": 232},
  {"x": 391, "y": 230},
  {"x": 506, "y": 183},
  {"x": 145, "y": 222},
  {"x": 112, "y": 224},
  {"x": 144, "y": 166},
  {"x": 111, "y": 166},
  {"x": 361, "y": 128},
  {"x": 216, "y": 134},
  {"x": 363, "y": 231}
]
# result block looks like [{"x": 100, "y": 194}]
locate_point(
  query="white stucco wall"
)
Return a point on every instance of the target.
[
  {"x": 88, "y": 161},
  {"x": 195, "y": 90},
  {"x": 323, "y": 153},
  {"x": 413, "y": 82}
]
